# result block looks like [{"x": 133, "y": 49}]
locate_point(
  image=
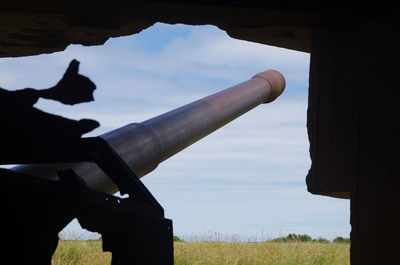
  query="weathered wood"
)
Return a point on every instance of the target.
[
  {"x": 354, "y": 120},
  {"x": 376, "y": 227},
  {"x": 36, "y": 27},
  {"x": 332, "y": 116}
]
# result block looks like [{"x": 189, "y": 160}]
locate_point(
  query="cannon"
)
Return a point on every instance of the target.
[
  {"x": 79, "y": 181},
  {"x": 143, "y": 146}
]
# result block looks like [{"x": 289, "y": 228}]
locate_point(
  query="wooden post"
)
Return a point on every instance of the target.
[{"x": 353, "y": 123}]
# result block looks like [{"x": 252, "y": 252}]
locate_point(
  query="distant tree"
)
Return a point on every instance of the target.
[
  {"x": 340, "y": 239},
  {"x": 321, "y": 240},
  {"x": 302, "y": 238},
  {"x": 177, "y": 239},
  {"x": 299, "y": 238},
  {"x": 293, "y": 238}
]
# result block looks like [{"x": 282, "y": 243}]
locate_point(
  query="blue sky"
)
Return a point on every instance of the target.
[{"x": 246, "y": 179}]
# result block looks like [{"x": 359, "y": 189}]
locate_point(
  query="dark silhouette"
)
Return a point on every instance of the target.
[
  {"x": 35, "y": 210},
  {"x": 31, "y": 135}
]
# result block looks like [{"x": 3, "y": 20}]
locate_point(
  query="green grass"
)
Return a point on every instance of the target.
[
  {"x": 77, "y": 252},
  {"x": 218, "y": 253}
]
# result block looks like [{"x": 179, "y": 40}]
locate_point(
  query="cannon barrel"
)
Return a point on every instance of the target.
[{"x": 143, "y": 146}]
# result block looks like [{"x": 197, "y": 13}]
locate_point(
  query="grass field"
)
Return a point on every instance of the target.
[{"x": 70, "y": 252}]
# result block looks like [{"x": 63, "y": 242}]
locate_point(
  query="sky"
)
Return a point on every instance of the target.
[{"x": 246, "y": 180}]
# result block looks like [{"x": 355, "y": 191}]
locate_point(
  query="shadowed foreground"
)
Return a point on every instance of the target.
[{"x": 218, "y": 253}]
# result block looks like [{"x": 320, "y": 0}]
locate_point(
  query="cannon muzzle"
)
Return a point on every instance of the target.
[{"x": 143, "y": 146}]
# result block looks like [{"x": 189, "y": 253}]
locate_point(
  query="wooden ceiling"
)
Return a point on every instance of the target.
[{"x": 36, "y": 27}]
